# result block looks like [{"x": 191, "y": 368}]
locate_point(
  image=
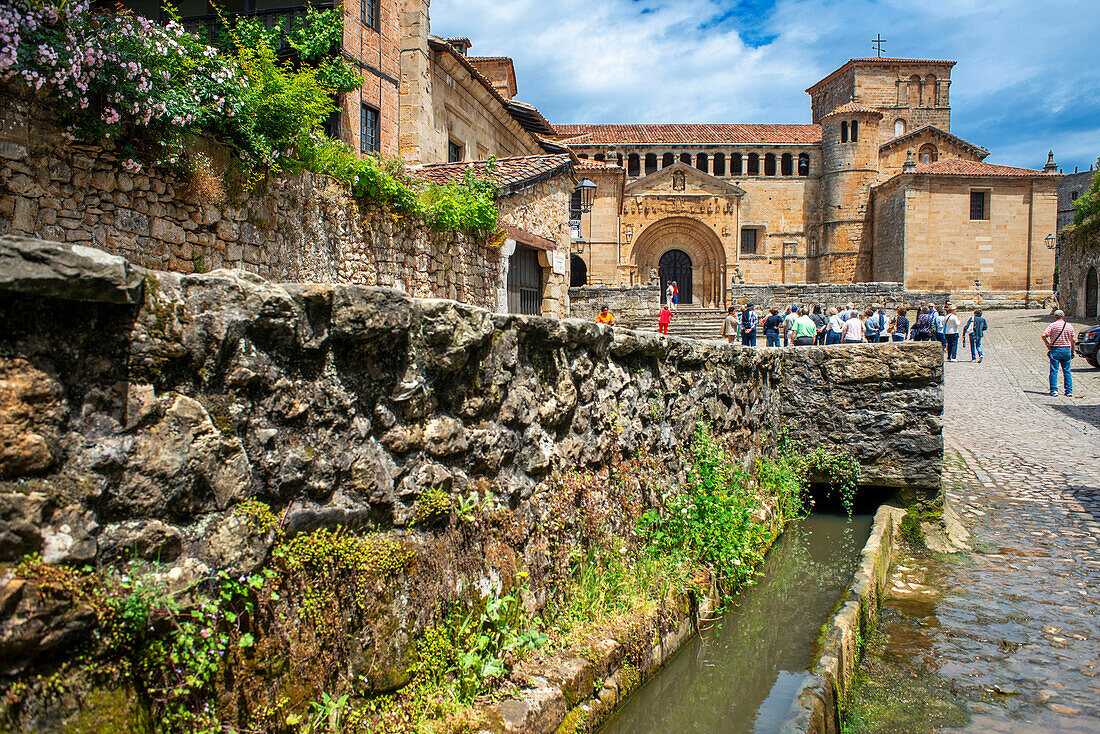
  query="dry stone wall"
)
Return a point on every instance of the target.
[{"x": 305, "y": 228}]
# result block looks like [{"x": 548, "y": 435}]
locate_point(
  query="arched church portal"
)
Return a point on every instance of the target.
[
  {"x": 675, "y": 267},
  {"x": 700, "y": 254}
]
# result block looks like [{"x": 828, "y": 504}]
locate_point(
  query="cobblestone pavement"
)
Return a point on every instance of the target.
[{"x": 1011, "y": 630}]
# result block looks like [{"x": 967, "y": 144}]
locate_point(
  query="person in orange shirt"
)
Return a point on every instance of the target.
[
  {"x": 664, "y": 320},
  {"x": 605, "y": 317}
]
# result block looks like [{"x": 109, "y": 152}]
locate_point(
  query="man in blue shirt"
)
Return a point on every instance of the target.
[{"x": 748, "y": 326}]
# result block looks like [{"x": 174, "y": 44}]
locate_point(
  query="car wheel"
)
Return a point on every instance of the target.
[{"x": 1093, "y": 361}]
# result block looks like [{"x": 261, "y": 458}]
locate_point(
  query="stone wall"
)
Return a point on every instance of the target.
[
  {"x": 633, "y": 308},
  {"x": 1078, "y": 252},
  {"x": 539, "y": 210},
  {"x": 303, "y": 228}
]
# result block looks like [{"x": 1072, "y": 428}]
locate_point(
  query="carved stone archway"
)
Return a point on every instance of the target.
[{"x": 702, "y": 245}]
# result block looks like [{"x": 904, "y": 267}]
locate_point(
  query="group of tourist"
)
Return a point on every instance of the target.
[{"x": 803, "y": 326}]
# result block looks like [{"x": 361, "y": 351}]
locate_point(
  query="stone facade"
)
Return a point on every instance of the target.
[
  {"x": 1079, "y": 270},
  {"x": 799, "y": 203},
  {"x": 541, "y": 210},
  {"x": 925, "y": 235},
  {"x": 305, "y": 228},
  {"x": 633, "y": 308}
]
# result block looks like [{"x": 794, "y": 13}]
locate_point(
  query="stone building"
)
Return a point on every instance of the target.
[
  {"x": 1070, "y": 188},
  {"x": 876, "y": 188}
]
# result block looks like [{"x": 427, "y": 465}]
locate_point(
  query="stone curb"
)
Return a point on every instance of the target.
[{"x": 817, "y": 706}]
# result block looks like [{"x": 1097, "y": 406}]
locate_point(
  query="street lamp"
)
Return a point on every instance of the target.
[
  {"x": 587, "y": 194},
  {"x": 1050, "y": 241}
]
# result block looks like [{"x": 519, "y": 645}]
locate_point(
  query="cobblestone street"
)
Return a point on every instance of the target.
[{"x": 1010, "y": 631}]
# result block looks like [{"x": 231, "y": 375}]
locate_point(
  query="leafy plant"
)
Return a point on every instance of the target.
[{"x": 1088, "y": 203}]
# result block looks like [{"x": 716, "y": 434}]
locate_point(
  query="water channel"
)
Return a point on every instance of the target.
[{"x": 742, "y": 675}]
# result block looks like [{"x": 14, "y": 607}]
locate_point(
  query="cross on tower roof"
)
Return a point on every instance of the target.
[{"x": 876, "y": 43}]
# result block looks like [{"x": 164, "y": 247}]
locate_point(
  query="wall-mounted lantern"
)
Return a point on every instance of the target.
[
  {"x": 587, "y": 191},
  {"x": 1051, "y": 241}
]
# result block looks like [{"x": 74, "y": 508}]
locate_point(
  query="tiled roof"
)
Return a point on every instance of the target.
[
  {"x": 510, "y": 174},
  {"x": 939, "y": 132},
  {"x": 853, "y": 107},
  {"x": 687, "y": 134},
  {"x": 887, "y": 60},
  {"x": 959, "y": 167}
]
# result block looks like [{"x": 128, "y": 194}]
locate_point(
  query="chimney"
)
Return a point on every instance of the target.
[
  {"x": 1051, "y": 166},
  {"x": 910, "y": 165},
  {"x": 461, "y": 44}
]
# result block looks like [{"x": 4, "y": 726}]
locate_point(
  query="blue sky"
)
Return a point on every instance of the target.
[{"x": 1028, "y": 77}]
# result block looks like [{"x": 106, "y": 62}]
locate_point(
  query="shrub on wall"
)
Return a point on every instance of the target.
[
  {"x": 1088, "y": 204},
  {"x": 145, "y": 88}
]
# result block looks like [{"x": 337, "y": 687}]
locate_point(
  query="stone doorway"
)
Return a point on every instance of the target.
[
  {"x": 675, "y": 265},
  {"x": 1091, "y": 288}
]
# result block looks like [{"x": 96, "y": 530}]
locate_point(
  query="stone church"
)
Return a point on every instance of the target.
[{"x": 876, "y": 188}]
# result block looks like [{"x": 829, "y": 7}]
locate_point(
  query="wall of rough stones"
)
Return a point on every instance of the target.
[
  {"x": 634, "y": 307},
  {"x": 305, "y": 228},
  {"x": 538, "y": 210},
  {"x": 1078, "y": 250}
]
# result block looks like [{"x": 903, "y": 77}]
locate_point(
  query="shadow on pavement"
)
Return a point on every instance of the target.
[{"x": 1087, "y": 413}]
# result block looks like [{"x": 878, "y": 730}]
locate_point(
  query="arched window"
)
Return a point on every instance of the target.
[
  {"x": 667, "y": 160},
  {"x": 719, "y": 164},
  {"x": 600, "y": 157},
  {"x": 685, "y": 158},
  {"x": 930, "y": 94},
  {"x": 786, "y": 165},
  {"x": 633, "y": 168},
  {"x": 735, "y": 165},
  {"x": 702, "y": 162},
  {"x": 650, "y": 163},
  {"x": 899, "y": 127},
  {"x": 578, "y": 272},
  {"x": 855, "y": 130},
  {"x": 915, "y": 91},
  {"x": 928, "y": 154},
  {"x": 769, "y": 164},
  {"x": 619, "y": 159},
  {"x": 844, "y": 132},
  {"x": 803, "y": 164},
  {"x": 754, "y": 164}
]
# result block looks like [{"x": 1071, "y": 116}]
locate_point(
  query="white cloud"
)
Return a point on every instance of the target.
[{"x": 1026, "y": 79}]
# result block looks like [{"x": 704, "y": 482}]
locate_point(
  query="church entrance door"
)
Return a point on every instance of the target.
[{"x": 675, "y": 265}]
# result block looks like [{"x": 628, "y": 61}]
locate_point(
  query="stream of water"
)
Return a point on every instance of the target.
[{"x": 742, "y": 675}]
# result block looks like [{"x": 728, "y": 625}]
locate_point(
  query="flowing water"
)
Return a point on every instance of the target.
[{"x": 742, "y": 675}]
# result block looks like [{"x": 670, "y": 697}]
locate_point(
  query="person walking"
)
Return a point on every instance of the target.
[
  {"x": 731, "y": 327},
  {"x": 835, "y": 327},
  {"x": 663, "y": 320},
  {"x": 951, "y": 333},
  {"x": 675, "y": 295},
  {"x": 1060, "y": 339},
  {"x": 853, "y": 331},
  {"x": 805, "y": 330},
  {"x": 668, "y": 295},
  {"x": 749, "y": 322},
  {"x": 939, "y": 318},
  {"x": 899, "y": 326},
  {"x": 788, "y": 324},
  {"x": 821, "y": 324},
  {"x": 772, "y": 325},
  {"x": 846, "y": 312},
  {"x": 975, "y": 326},
  {"x": 605, "y": 317}
]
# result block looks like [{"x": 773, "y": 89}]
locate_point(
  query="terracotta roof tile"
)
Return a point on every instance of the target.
[
  {"x": 959, "y": 167},
  {"x": 584, "y": 163},
  {"x": 672, "y": 134},
  {"x": 939, "y": 132},
  {"x": 888, "y": 60},
  {"x": 853, "y": 107},
  {"x": 510, "y": 174}
]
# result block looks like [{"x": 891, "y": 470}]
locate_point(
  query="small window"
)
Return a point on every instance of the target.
[
  {"x": 803, "y": 164},
  {"x": 650, "y": 163},
  {"x": 748, "y": 241},
  {"x": 575, "y": 205},
  {"x": 619, "y": 159},
  {"x": 844, "y": 131},
  {"x": 769, "y": 164},
  {"x": 754, "y": 164},
  {"x": 600, "y": 157},
  {"x": 735, "y": 164},
  {"x": 719, "y": 164},
  {"x": 667, "y": 160},
  {"x": 633, "y": 165},
  {"x": 454, "y": 152},
  {"x": 368, "y": 129},
  {"x": 899, "y": 127},
  {"x": 368, "y": 13},
  {"x": 813, "y": 246},
  {"x": 979, "y": 205},
  {"x": 702, "y": 163},
  {"x": 855, "y": 130},
  {"x": 583, "y": 156},
  {"x": 1073, "y": 196}
]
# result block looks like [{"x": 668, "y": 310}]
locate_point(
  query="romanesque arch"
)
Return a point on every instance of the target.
[{"x": 698, "y": 241}]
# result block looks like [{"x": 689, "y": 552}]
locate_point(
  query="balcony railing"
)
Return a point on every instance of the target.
[{"x": 282, "y": 18}]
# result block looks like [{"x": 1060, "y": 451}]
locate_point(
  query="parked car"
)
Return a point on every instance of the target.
[{"x": 1088, "y": 343}]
